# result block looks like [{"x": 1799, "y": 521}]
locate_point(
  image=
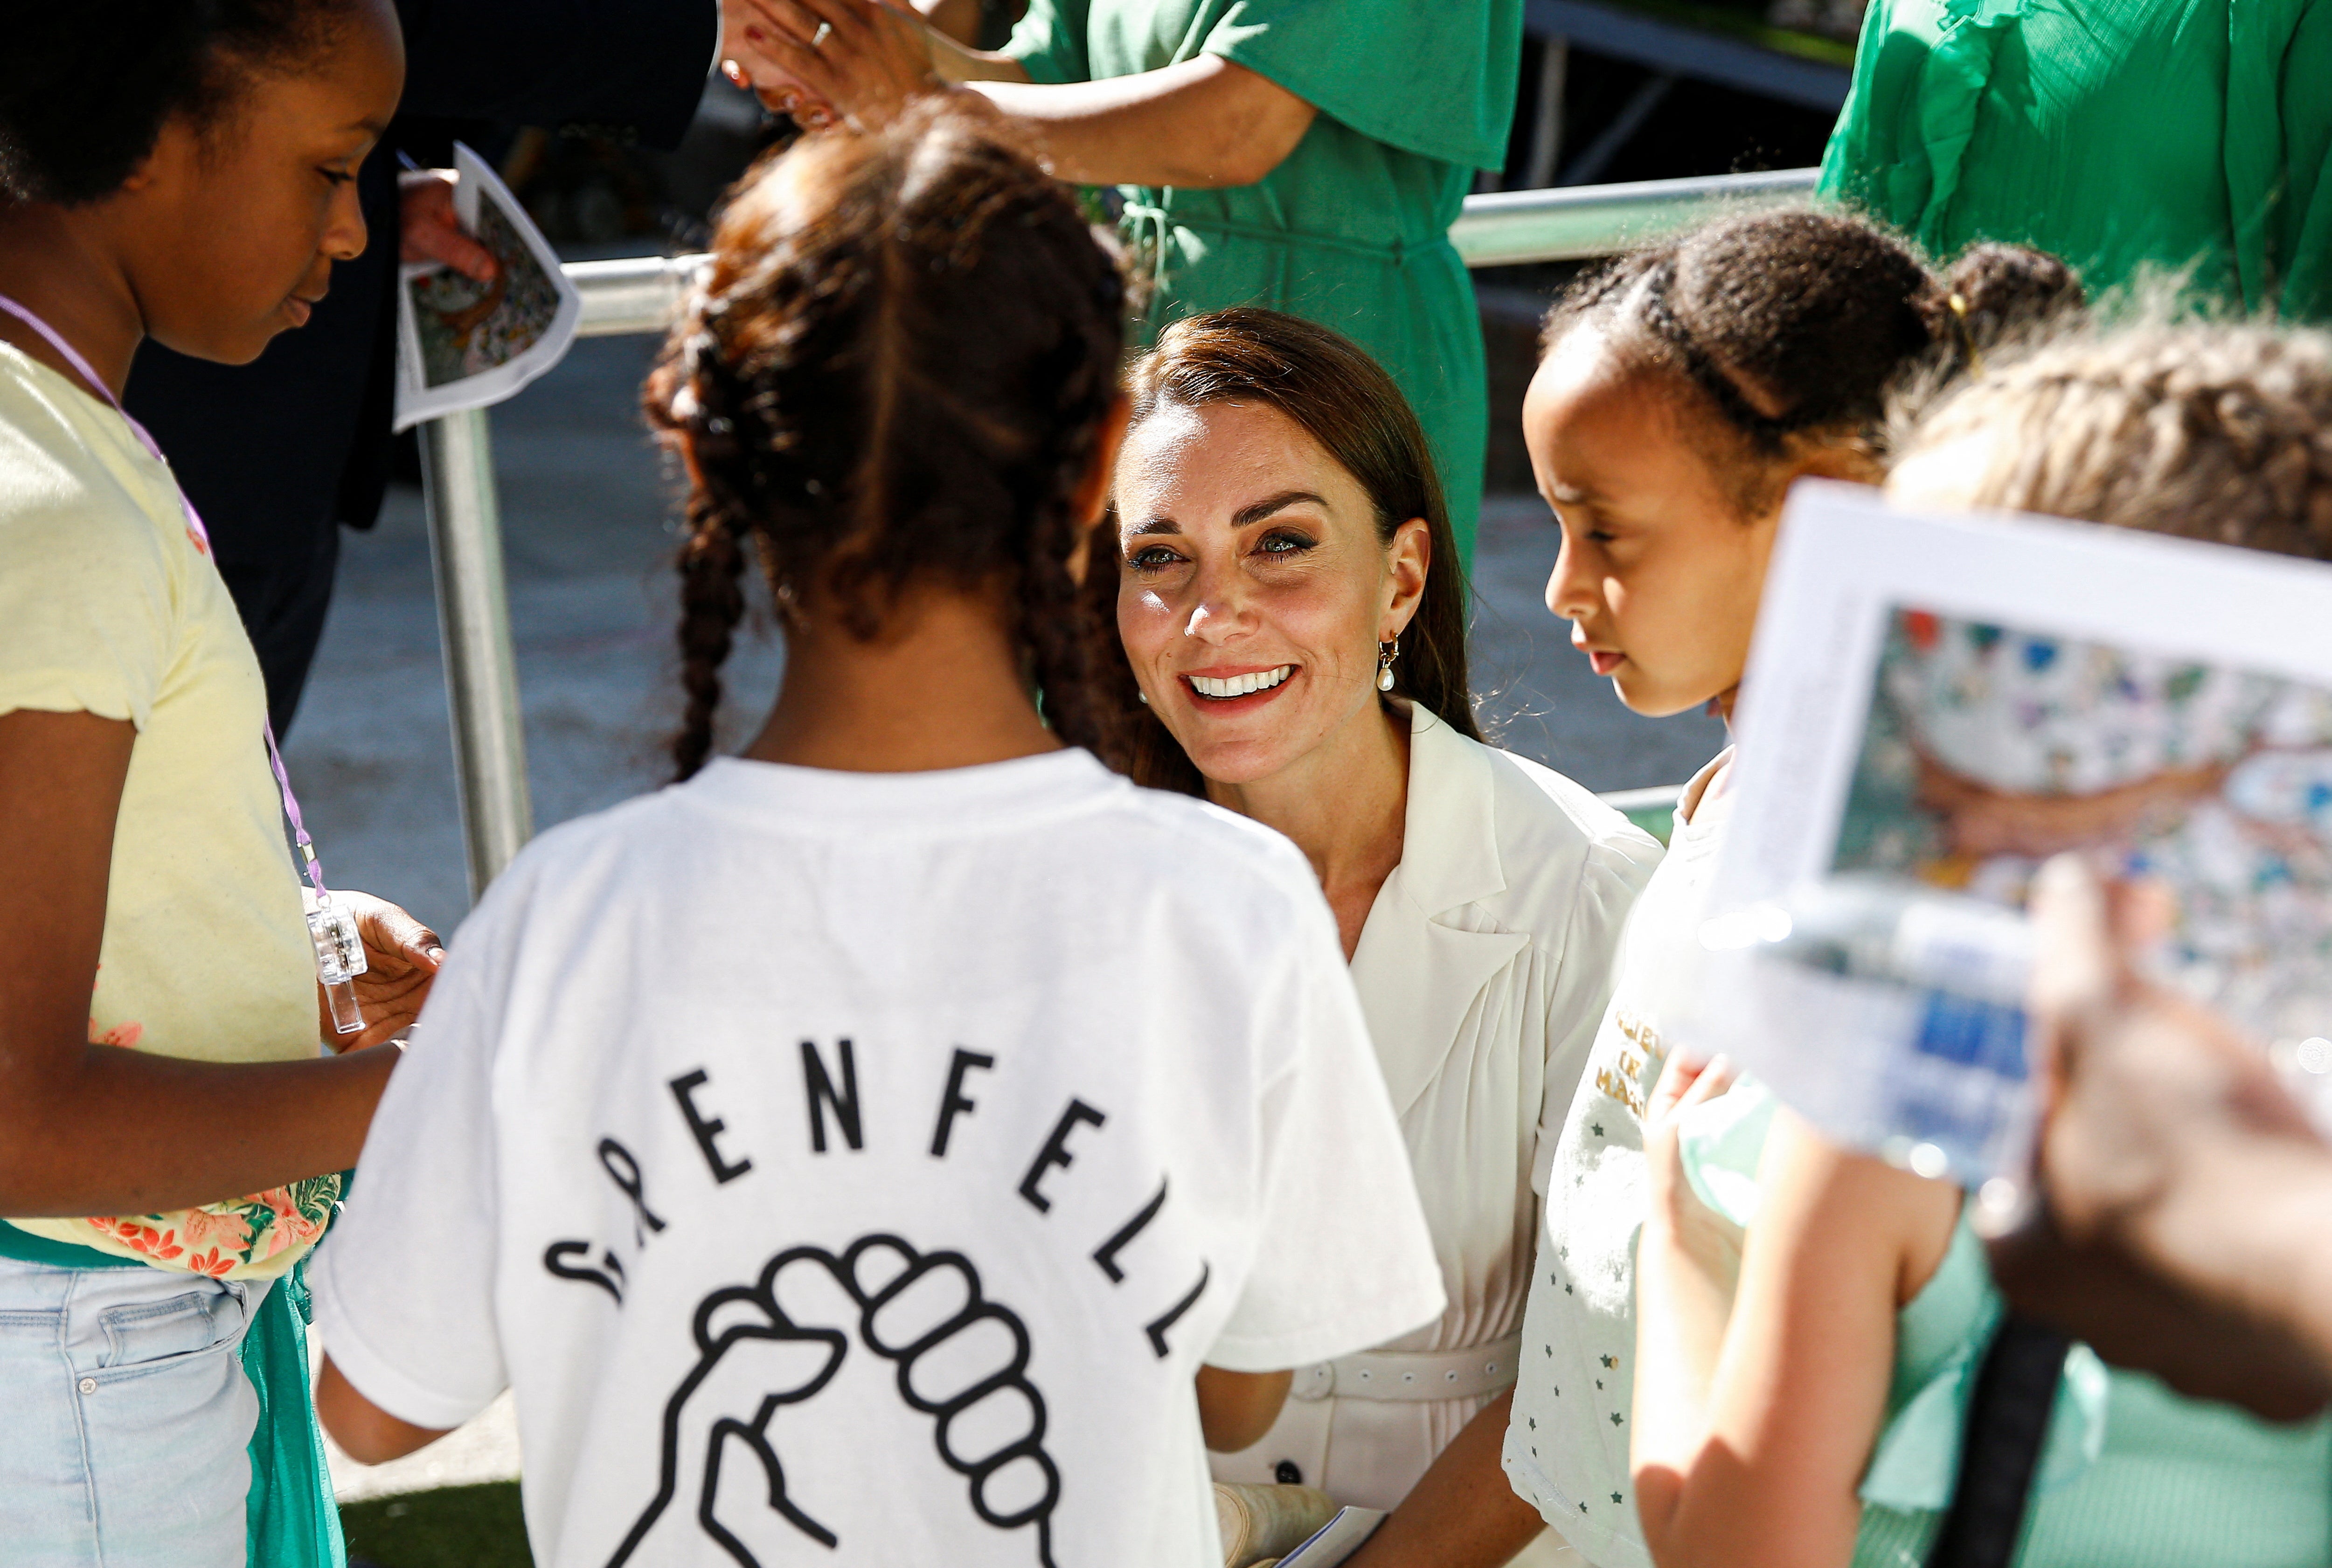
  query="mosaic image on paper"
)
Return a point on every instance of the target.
[
  {"x": 466, "y": 327},
  {"x": 1989, "y": 749}
]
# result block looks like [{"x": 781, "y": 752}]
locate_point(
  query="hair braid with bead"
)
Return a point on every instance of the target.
[{"x": 895, "y": 371}]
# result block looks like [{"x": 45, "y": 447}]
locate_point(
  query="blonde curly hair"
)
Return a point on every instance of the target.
[{"x": 2210, "y": 431}]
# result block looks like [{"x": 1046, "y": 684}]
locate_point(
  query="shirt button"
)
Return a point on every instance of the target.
[{"x": 89, "y": 1385}]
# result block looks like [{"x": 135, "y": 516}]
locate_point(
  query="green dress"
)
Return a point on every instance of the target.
[
  {"x": 2131, "y": 1476},
  {"x": 2182, "y": 133},
  {"x": 1352, "y": 229}
]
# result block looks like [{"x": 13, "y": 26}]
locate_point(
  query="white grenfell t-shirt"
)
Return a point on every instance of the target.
[{"x": 857, "y": 1169}]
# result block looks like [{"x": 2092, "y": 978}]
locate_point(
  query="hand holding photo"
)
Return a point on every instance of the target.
[
  {"x": 464, "y": 343},
  {"x": 1934, "y": 709}
]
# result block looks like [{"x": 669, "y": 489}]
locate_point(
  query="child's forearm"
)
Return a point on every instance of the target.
[
  {"x": 1236, "y": 1408},
  {"x": 1680, "y": 1318},
  {"x": 109, "y": 1130}
]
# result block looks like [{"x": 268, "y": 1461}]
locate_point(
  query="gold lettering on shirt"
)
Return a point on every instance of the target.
[{"x": 1635, "y": 1067}]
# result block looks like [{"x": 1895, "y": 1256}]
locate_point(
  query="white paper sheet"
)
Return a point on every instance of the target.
[
  {"x": 1334, "y": 1541},
  {"x": 1935, "y": 704},
  {"x": 463, "y": 344}
]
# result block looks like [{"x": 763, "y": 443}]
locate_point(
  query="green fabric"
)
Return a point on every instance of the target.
[
  {"x": 2186, "y": 134},
  {"x": 1352, "y": 229},
  {"x": 1941, "y": 1338},
  {"x": 1721, "y": 1142},
  {"x": 289, "y": 1519},
  {"x": 2132, "y": 1476}
]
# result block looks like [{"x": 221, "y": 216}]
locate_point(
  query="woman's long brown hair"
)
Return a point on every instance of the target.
[{"x": 1347, "y": 403}]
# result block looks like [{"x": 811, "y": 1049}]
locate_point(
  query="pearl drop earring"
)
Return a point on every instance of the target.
[{"x": 1386, "y": 653}]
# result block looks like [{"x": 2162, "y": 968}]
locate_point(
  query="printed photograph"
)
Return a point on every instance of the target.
[
  {"x": 1989, "y": 749},
  {"x": 467, "y": 328}
]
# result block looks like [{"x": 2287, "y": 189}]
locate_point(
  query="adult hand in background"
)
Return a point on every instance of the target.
[
  {"x": 858, "y": 60},
  {"x": 746, "y": 28},
  {"x": 428, "y": 230},
  {"x": 402, "y": 957},
  {"x": 2184, "y": 1191}
]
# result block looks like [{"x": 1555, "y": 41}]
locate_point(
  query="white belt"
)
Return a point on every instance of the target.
[{"x": 1448, "y": 1374}]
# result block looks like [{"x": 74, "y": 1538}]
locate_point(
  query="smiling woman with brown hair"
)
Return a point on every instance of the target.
[{"x": 1294, "y": 618}]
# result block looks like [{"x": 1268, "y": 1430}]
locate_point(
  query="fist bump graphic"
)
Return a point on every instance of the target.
[{"x": 962, "y": 1359}]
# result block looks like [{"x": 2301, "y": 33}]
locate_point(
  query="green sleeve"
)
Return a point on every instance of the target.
[
  {"x": 1921, "y": 75},
  {"x": 1853, "y": 151},
  {"x": 1432, "y": 77},
  {"x": 2306, "y": 210},
  {"x": 1049, "y": 42}
]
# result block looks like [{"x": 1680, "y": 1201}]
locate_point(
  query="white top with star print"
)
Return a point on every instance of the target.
[{"x": 1566, "y": 1447}]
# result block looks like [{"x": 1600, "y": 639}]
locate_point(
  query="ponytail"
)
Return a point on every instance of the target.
[{"x": 1799, "y": 323}]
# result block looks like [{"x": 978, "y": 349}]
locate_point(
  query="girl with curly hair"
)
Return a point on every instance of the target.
[{"x": 862, "y": 1147}]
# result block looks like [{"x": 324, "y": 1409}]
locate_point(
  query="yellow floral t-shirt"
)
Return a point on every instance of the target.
[{"x": 110, "y": 606}]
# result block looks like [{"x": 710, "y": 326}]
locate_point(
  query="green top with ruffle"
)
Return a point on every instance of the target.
[
  {"x": 2132, "y": 1476},
  {"x": 2189, "y": 135}
]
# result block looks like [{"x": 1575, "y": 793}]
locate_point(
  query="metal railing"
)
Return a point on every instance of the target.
[{"x": 640, "y": 294}]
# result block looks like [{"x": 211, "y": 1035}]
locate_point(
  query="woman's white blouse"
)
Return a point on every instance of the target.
[{"x": 1484, "y": 968}]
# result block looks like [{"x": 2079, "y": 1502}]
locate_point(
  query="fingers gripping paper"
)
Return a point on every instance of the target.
[
  {"x": 1932, "y": 708},
  {"x": 463, "y": 344}
]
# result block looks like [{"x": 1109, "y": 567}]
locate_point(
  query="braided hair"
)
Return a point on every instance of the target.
[
  {"x": 1796, "y": 324},
  {"x": 87, "y": 85},
  {"x": 895, "y": 371},
  {"x": 2212, "y": 432}
]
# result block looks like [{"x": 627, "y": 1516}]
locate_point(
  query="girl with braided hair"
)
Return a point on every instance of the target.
[
  {"x": 860, "y": 1148},
  {"x": 1830, "y": 1410}
]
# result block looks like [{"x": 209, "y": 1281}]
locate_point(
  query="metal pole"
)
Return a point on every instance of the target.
[
  {"x": 1546, "y": 134},
  {"x": 465, "y": 554},
  {"x": 1578, "y": 221},
  {"x": 631, "y": 294}
]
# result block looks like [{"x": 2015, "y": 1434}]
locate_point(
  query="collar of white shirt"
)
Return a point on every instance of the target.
[{"x": 1418, "y": 975}]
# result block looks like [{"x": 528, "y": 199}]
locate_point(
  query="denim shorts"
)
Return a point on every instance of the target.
[{"x": 125, "y": 1418}]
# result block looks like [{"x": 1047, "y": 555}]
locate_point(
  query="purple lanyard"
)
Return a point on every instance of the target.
[{"x": 202, "y": 538}]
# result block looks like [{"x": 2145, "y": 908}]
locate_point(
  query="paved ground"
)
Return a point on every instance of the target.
[{"x": 585, "y": 520}]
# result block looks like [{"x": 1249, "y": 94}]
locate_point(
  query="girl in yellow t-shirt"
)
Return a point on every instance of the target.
[{"x": 185, "y": 173}]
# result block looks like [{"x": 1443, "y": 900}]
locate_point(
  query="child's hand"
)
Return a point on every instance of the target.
[
  {"x": 1710, "y": 1240},
  {"x": 402, "y": 957},
  {"x": 2178, "y": 1173}
]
